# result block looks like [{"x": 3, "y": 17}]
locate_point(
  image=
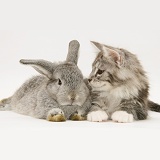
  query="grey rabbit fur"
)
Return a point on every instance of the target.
[{"x": 59, "y": 93}]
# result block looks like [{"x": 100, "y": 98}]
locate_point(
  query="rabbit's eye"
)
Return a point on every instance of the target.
[{"x": 59, "y": 82}]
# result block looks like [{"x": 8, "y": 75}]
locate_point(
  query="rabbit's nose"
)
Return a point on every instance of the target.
[{"x": 72, "y": 98}]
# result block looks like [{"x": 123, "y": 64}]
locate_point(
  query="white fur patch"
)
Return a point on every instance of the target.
[
  {"x": 122, "y": 117},
  {"x": 97, "y": 116}
]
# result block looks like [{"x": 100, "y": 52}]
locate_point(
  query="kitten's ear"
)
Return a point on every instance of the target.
[
  {"x": 109, "y": 52},
  {"x": 98, "y": 45},
  {"x": 113, "y": 54}
]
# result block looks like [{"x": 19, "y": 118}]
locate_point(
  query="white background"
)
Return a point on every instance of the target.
[{"x": 43, "y": 29}]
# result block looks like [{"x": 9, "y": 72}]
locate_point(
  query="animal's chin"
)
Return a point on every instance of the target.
[
  {"x": 70, "y": 104},
  {"x": 97, "y": 86}
]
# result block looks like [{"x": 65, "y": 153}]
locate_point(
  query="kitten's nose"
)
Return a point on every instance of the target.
[{"x": 89, "y": 80}]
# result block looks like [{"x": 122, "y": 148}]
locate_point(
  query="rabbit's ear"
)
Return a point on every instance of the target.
[
  {"x": 73, "y": 51},
  {"x": 44, "y": 67}
]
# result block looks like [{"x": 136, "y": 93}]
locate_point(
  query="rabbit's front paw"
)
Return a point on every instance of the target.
[
  {"x": 77, "y": 117},
  {"x": 56, "y": 115},
  {"x": 2, "y": 104}
]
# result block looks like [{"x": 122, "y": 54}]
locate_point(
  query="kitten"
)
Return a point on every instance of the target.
[{"x": 119, "y": 86}]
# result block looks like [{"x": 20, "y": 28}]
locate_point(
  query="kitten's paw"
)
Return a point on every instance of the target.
[
  {"x": 97, "y": 116},
  {"x": 122, "y": 117},
  {"x": 56, "y": 115}
]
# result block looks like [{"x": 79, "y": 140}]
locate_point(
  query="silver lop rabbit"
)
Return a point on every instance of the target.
[{"x": 59, "y": 93}]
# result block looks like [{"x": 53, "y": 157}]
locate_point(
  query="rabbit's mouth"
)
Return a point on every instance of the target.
[
  {"x": 71, "y": 103},
  {"x": 73, "y": 98}
]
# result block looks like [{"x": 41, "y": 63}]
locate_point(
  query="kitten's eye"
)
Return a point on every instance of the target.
[
  {"x": 100, "y": 71},
  {"x": 59, "y": 82}
]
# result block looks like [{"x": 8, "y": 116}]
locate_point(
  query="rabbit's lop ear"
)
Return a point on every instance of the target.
[
  {"x": 44, "y": 67},
  {"x": 73, "y": 51}
]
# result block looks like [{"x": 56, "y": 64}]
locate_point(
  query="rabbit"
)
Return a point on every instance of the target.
[{"x": 60, "y": 93}]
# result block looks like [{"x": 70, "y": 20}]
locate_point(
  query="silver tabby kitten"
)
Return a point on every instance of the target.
[{"x": 119, "y": 86}]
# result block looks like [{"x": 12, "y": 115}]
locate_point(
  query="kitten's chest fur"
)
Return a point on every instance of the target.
[{"x": 107, "y": 101}]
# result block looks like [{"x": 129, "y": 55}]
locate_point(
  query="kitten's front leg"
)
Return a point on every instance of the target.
[
  {"x": 130, "y": 110},
  {"x": 96, "y": 114}
]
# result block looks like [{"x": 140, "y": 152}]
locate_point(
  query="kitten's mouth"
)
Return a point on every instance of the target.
[{"x": 100, "y": 85}]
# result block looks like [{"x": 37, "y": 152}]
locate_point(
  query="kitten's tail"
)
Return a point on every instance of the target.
[
  {"x": 153, "y": 106},
  {"x": 5, "y": 104}
]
